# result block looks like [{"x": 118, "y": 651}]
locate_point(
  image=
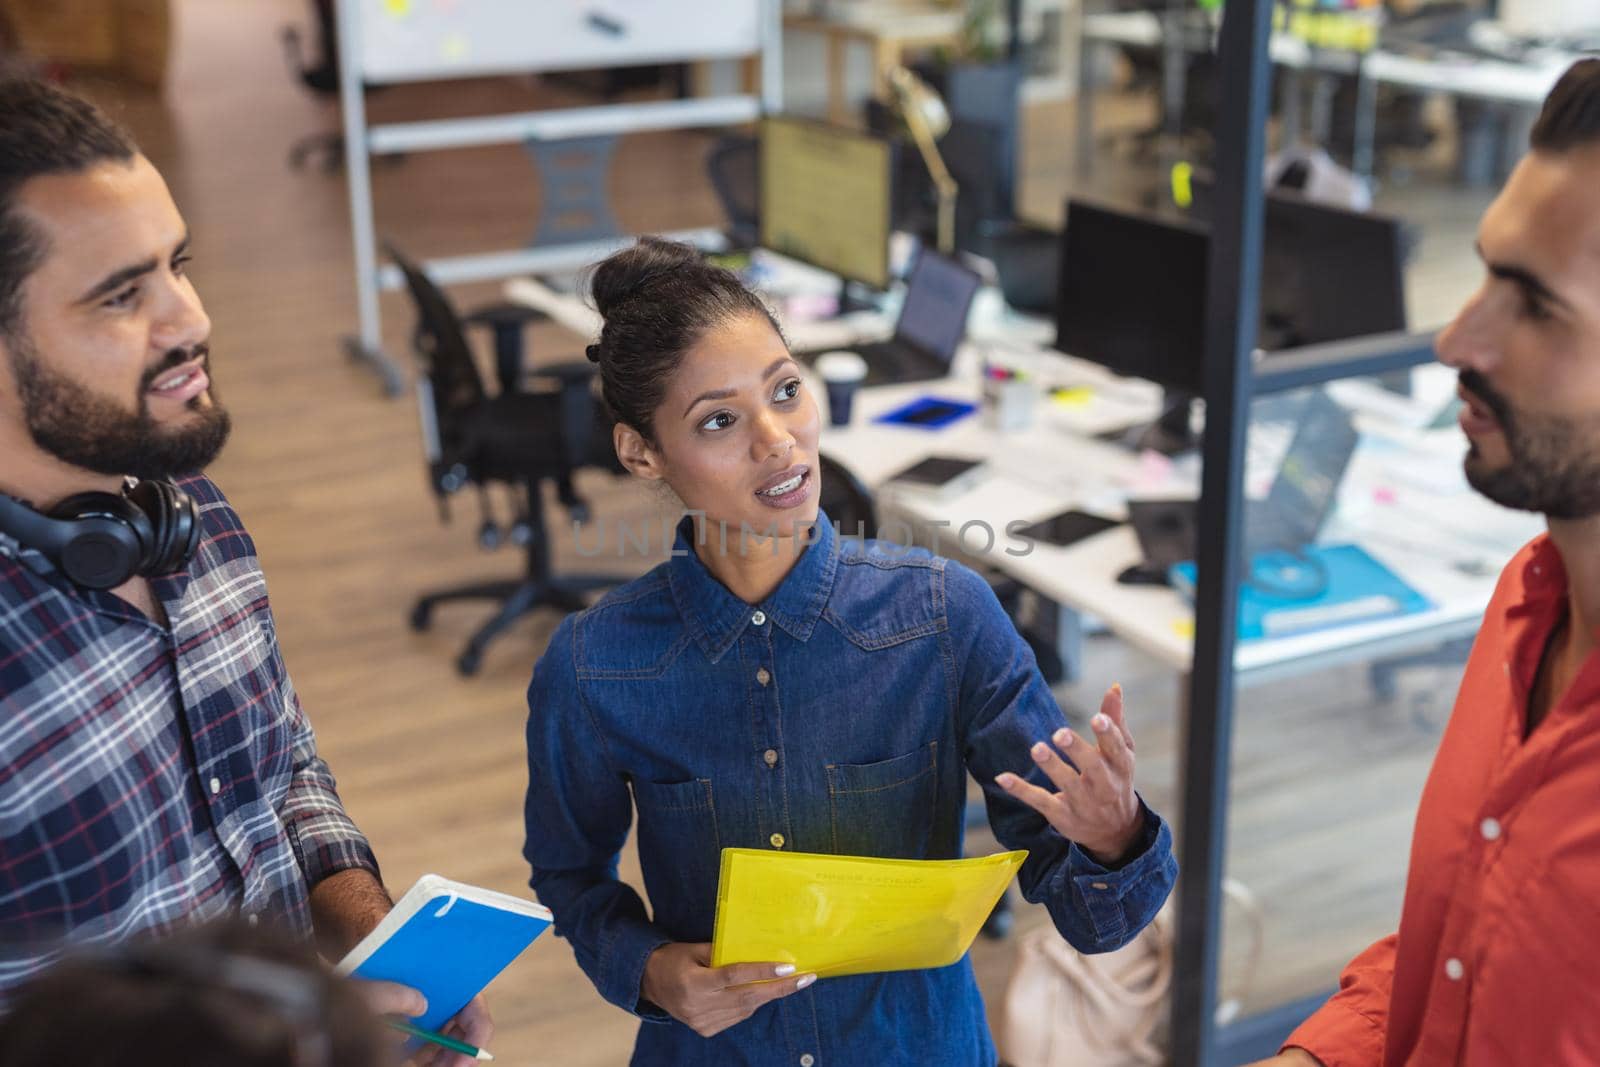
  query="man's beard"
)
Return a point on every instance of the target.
[
  {"x": 1554, "y": 465},
  {"x": 86, "y": 430}
]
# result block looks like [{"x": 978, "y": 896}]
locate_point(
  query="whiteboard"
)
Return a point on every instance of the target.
[{"x": 417, "y": 40}]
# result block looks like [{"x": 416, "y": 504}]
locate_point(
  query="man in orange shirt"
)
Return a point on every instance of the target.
[{"x": 1497, "y": 959}]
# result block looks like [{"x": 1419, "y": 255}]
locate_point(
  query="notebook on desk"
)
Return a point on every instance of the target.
[
  {"x": 1340, "y": 585},
  {"x": 932, "y": 322}
]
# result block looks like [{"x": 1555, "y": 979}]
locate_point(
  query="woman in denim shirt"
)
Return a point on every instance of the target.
[{"x": 792, "y": 690}]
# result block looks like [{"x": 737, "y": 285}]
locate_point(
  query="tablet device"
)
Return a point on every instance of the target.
[
  {"x": 938, "y": 472},
  {"x": 1068, "y": 528}
]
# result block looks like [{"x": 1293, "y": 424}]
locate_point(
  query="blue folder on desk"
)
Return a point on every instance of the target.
[
  {"x": 1320, "y": 587},
  {"x": 928, "y": 412}
]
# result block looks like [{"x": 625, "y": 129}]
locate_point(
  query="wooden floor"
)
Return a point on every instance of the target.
[{"x": 328, "y": 475}]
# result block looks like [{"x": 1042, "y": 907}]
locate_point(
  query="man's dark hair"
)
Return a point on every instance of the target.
[
  {"x": 43, "y": 130},
  {"x": 1570, "y": 117}
]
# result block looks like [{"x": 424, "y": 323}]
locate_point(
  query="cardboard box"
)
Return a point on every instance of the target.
[{"x": 131, "y": 38}]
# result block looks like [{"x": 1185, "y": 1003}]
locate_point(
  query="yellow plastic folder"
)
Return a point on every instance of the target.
[{"x": 836, "y": 915}]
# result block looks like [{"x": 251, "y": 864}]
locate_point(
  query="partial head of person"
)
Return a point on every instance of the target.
[
  {"x": 1527, "y": 344},
  {"x": 104, "y": 358},
  {"x": 706, "y": 396},
  {"x": 228, "y": 994}
]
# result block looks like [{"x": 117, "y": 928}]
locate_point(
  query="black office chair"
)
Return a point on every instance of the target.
[
  {"x": 733, "y": 165},
  {"x": 847, "y": 502},
  {"x": 317, "y": 68},
  {"x": 514, "y": 438}
]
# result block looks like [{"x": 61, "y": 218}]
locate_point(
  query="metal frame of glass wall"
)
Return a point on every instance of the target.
[{"x": 1232, "y": 305}]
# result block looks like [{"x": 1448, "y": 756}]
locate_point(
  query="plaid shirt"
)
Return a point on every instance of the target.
[{"x": 149, "y": 777}]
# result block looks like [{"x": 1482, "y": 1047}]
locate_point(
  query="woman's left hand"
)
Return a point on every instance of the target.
[{"x": 1094, "y": 805}]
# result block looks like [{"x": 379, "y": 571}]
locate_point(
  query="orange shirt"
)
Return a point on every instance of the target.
[{"x": 1497, "y": 960}]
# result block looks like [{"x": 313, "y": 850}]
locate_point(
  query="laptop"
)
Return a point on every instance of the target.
[
  {"x": 1287, "y": 519},
  {"x": 932, "y": 322}
]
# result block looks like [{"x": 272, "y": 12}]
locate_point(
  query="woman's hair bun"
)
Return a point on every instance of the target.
[{"x": 633, "y": 271}]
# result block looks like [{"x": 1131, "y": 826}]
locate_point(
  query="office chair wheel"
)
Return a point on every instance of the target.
[
  {"x": 421, "y": 616},
  {"x": 468, "y": 662}
]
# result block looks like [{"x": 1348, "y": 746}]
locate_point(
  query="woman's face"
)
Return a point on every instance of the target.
[{"x": 736, "y": 436}]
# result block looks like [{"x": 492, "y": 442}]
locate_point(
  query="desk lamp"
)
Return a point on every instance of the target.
[{"x": 925, "y": 116}]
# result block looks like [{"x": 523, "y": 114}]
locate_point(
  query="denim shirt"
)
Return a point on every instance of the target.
[{"x": 841, "y": 715}]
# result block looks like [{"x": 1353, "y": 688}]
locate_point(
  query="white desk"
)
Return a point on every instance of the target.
[
  {"x": 1403, "y": 499},
  {"x": 1521, "y": 85},
  {"x": 1525, "y": 84}
]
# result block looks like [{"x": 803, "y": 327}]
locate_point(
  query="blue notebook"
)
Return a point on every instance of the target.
[
  {"x": 448, "y": 941},
  {"x": 928, "y": 412},
  {"x": 1318, "y": 588}
]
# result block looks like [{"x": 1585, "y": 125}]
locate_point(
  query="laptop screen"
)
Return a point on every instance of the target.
[
  {"x": 938, "y": 295},
  {"x": 1307, "y": 484}
]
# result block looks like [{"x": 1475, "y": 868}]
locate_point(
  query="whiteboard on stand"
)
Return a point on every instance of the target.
[{"x": 420, "y": 40}]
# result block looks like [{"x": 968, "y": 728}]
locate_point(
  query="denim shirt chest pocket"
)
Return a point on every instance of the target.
[
  {"x": 678, "y": 827},
  {"x": 885, "y": 808}
]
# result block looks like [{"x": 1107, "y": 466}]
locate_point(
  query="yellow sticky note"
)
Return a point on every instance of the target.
[
  {"x": 1183, "y": 627},
  {"x": 1183, "y": 183},
  {"x": 398, "y": 9},
  {"x": 1076, "y": 396},
  {"x": 836, "y": 915}
]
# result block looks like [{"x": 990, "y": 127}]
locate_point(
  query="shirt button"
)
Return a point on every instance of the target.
[
  {"x": 771, "y": 756},
  {"x": 807, "y": 1060},
  {"x": 759, "y": 618},
  {"x": 1490, "y": 829},
  {"x": 762, "y": 676},
  {"x": 216, "y": 786},
  {"x": 777, "y": 840},
  {"x": 1453, "y": 969}
]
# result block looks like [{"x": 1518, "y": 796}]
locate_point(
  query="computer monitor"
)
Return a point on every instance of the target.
[
  {"x": 1132, "y": 294},
  {"x": 1133, "y": 289},
  {"x": 825, "y": 197},
  {"x": 1327, "y": 273}
]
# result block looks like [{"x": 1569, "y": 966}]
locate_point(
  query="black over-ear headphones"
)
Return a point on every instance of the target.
[{"x": 101, "y": 540}]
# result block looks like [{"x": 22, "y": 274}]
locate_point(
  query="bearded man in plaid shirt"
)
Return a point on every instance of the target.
[{"x": 156, "y": 768}]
